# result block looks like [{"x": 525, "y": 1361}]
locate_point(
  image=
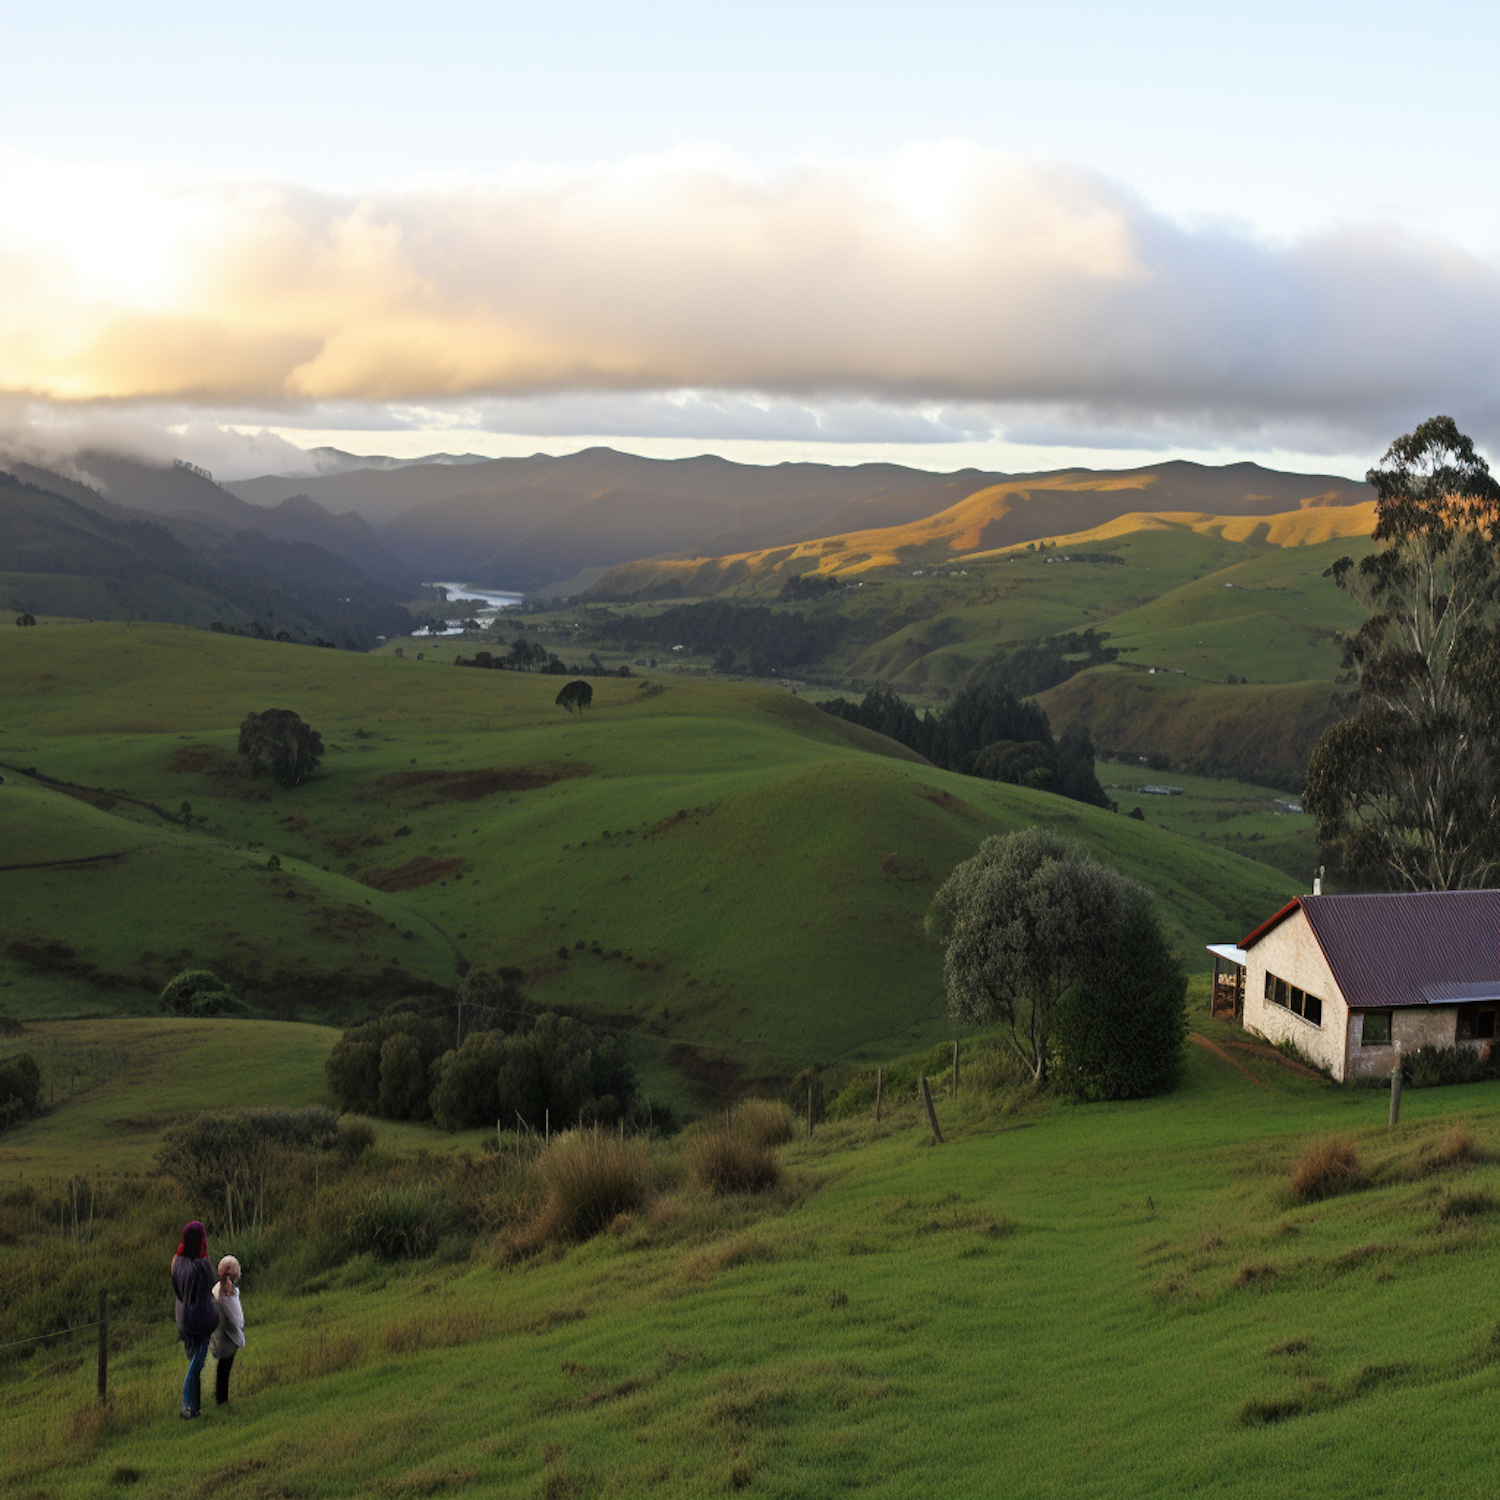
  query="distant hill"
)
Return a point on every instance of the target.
[
  {"x": 69, "y": 551},
  {"x": 1075, "y": 503},
  {"x": 521, "y": 522},
  {"x": 187, "y": 494},
  {"x": 526, "y": 522}
]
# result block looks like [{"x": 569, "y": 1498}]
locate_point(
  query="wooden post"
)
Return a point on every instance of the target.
[
  {"x": 1396, "y": 1092},
  {"x": 879, "y": 1084},
  {"x": 809, "y": 1112},
  {"x": 547, "y": 1126},
  {"x": 103, "y": 1345},
  {"x": 955, "y": 1070},
  {"x": 937, "y": 1134}
]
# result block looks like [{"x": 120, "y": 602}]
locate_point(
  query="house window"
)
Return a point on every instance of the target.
[
  {"x": 1476, "y": 1023},
  {"x": 1289, "y": 997},
  {"x": 1377, "y": 1032}
]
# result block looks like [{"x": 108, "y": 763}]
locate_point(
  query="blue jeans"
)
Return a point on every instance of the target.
[{"x": 192, "y": 1387}]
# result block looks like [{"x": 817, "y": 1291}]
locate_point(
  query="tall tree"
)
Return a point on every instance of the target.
[
  {"x": 1406, "y": 788},
  {"x": 1020, "y": 923},
  {"x": 279, "y": 744}
]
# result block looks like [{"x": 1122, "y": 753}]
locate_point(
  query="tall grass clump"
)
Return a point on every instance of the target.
[
  {"x": 767, "y": 1122},
  {"x": 1326, "y": 1169},
  {"x": 589, "y": 1178},
  {"x": 395, "y": 1221},
  {"x": 724, "y": 1161}
]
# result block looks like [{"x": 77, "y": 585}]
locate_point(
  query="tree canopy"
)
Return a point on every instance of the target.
[
  {"x": 1032, "y": 930},
  {"x": 577, "y": 694},
  {"x": 1406, "y": 787},
  {"x": 278, "y": 744}
]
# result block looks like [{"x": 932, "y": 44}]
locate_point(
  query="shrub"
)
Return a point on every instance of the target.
[
  {"x": 20, "y": 1086},
  {"x": 1433, "y": 1067},
  {"x": 355, "y": 1138},
  {"x": 198, "y": 992},
  {"x": 213, "y": 1151},
  {"x": 720, "y": 1162},
  {"x": 590, "y": 1178},
  {"x": 1326, "y": 1169},
  {"x": 767, "y": 1122}
]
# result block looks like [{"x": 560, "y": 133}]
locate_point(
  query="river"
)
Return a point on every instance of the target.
[{"x": 488, "y": 601}]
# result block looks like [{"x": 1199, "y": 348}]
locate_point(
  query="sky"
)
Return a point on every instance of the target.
[{"x": 1001, "y": 236}]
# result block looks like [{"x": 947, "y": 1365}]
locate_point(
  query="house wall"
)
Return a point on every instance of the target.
[
  {"x": 1416, "y": 1026},
  {"x": 1291, "y": 952}
]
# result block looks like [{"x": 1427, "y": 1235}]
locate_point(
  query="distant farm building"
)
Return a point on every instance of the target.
[{"x": 1355, "y": 981}]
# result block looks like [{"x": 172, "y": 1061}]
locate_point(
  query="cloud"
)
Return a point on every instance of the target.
[{"x": 948, "y": 288}]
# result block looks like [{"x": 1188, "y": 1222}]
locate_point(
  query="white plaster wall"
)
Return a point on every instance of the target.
[{"x": 1291, "y": 952}]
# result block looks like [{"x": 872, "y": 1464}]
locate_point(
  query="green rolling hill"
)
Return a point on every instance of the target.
[{"x": 735, "y": 878}]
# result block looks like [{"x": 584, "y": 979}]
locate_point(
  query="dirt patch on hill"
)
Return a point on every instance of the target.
[
  {"x": 193, "y": 758},
  {"x": 716, "y": 1077},
  {"x": 470, "y": 786},
  {"x": 423, "y": 870}
]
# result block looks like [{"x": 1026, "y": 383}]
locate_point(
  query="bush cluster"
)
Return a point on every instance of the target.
[
  {"x": 1432, "y": 1067},
  {"x": 559, "y": 1072},
  {"x": 199, "y": 992},
  {"x": 211, "y": 1152}
]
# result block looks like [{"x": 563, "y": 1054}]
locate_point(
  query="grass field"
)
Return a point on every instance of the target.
[
  {"x": 752, "y": 872},
  {"x": 1235, "y": 815},
  {"x": 1101, "y": 1301}
]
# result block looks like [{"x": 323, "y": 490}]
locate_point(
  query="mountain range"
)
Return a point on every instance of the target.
[{"x": 527, "y": 523}]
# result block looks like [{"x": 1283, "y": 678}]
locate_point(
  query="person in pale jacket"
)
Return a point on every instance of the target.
[{"x": 229, "y": 1337}]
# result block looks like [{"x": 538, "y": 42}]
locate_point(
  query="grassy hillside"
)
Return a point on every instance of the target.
[
  {"x": 1100, "y": 1301},
  {"x": 752, "y": 873}
]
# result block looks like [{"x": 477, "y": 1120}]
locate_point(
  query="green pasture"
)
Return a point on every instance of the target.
[
  {"x": 1237, "y": 815},
  {"x": 752, "y": 872},
  {"x": 1104, "y": 1300}
]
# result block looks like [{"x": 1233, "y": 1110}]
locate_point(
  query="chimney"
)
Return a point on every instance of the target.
[{"x": 1317, "y": 889}]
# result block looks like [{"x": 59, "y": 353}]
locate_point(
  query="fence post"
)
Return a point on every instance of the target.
[
  {"x": 103, "y": 1345},
  {"x": 1396, "y": 1092},
  {"x": 809, "y": 1112},
  {"x": 879, "y": 1081},
  {"x": 955, "y": 1070},
  {"x": 932, "y": 1120}
]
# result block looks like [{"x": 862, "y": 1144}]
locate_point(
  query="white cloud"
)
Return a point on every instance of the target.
[{"x": 925, "y": 298}]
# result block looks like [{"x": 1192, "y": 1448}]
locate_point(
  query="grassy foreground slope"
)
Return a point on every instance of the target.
[
  {"x": 1102, "y": 1301},
  {"x": 752, "y": 873}
]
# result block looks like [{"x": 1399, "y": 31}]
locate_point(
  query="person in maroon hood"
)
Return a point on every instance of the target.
[{"x": 193, "y": 1279}]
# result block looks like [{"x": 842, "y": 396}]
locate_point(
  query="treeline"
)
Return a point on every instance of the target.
[
  {"x": 985, "y": 731},
  {"x": 1045, "y": 661},
  {"x": 740, "y": 637},
  {"x": 407, "y": 1065},
  {"x": 523, "y": 656}
]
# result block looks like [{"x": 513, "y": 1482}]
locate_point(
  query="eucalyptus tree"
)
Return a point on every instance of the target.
[{"x": 1406, "y": 787}]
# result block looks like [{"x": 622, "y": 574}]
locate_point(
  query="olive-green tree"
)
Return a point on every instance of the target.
[
  {"x": 277, "y": 743},
  {"x": 1018, "y": 922}
]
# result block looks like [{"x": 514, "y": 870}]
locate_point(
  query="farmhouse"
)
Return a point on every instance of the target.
[{"x": 1356, "y": 980}]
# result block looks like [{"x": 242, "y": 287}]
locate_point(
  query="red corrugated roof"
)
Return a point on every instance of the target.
[{"x": 1408, "y": 948}]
